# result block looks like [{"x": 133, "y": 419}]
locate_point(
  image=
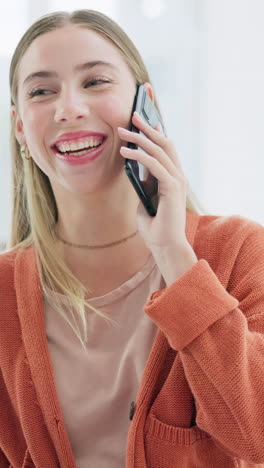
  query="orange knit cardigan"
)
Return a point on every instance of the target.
[{"x": 201, "y": 398}]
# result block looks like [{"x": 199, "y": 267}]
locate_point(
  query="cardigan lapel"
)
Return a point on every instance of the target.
[{"x": 31, "y": 315}]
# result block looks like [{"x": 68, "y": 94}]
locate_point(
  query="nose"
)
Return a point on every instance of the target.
[{"x": 71, "y": 106}]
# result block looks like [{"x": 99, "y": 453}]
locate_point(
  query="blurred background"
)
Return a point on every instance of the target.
[{"x": 206, "y": 60}]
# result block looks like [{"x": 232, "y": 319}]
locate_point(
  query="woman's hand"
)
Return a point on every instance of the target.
[
  {"x": 167, "y": 228},
  {"x": 163, "y": 234}
]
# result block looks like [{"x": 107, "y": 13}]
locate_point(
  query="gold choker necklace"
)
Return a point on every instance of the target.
[{"x": 93, "y": 246}]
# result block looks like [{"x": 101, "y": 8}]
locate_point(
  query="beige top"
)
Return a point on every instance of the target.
[{"x": 96, "y": 387}]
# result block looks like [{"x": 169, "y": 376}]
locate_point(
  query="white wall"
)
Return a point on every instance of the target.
[{"x": 233, "y": 163}]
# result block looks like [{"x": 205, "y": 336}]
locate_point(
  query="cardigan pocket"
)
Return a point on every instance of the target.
[{"x": 167, "y": 446}]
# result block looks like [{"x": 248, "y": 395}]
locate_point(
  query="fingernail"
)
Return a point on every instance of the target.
[
  {"x": 123, "y": 130},
  {"x": 125, "y": 148}
]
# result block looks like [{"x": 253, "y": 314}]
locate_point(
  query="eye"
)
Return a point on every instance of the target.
[
  {"x": 38, "y": 92},
  {"x": 96, "y": 82}
]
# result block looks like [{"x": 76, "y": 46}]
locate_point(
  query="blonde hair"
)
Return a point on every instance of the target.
[{"x": 34, "y": 210}]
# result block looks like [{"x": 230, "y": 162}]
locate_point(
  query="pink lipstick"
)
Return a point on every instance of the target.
[{"x": 69, "y": 154}]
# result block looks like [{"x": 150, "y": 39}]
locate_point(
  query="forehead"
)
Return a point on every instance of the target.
[{"x": 68, "y": 46}]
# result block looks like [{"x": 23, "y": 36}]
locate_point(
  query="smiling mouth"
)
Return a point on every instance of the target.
[{"x": 78, "y": 152}]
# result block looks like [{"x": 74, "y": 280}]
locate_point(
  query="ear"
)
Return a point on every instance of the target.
[
  {"x": 149, "y": 90},
  {"x": 18, "y": 126}
]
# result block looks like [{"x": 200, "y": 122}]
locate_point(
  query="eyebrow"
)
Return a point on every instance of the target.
[{"x": 82, "y": 67}]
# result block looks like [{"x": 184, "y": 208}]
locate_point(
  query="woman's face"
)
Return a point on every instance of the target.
[{"x": 72, "y": 80}]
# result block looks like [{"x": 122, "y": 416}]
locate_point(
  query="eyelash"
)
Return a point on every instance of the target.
[
  {"x": 102, "y": 80},
  {"x": 41, "y": 91}
]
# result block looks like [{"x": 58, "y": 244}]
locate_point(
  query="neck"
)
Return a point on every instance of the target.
[{"x": 97, "y": 218}]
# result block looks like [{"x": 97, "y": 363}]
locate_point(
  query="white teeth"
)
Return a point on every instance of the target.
[
  {"x": 63, "y": 147},
  {"x": 80, "y": 153}
]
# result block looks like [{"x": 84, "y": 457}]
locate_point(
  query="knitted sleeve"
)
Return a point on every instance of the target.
[{"x": 219, "y": 334}]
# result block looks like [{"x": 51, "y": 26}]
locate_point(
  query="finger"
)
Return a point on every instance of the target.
[
  {"x": 168, "y": 185},
  {"x": 154, "y": 166},
  {"x": 152, "y": 133},
  {"x": 157, "y": 137},
  {"x": 149, "y": 147},
  {"x": 159, "y": 128}
]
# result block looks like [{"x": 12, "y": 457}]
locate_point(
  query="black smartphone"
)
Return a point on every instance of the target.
[{"x": 145, "y": 184}]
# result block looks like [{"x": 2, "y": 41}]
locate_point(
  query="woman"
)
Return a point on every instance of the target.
[{"x": 126, "y": 340}]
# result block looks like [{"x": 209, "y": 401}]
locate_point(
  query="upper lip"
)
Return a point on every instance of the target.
[{"x": 77, "y": 136}]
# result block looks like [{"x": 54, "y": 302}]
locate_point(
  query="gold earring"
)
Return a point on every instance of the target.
[{"x": 25, "y": 152}]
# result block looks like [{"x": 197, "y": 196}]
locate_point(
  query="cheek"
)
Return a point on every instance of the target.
[
  {"x": 33, "y": 123},
  {"x": 117, "y": 112},
  {"x": 38, "y": 114}
]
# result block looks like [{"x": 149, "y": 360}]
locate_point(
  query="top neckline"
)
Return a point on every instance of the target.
[{"x": 118, "y": 292}]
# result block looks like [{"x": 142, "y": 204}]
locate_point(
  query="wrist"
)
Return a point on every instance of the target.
[{"x": 173, "y": 262}]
